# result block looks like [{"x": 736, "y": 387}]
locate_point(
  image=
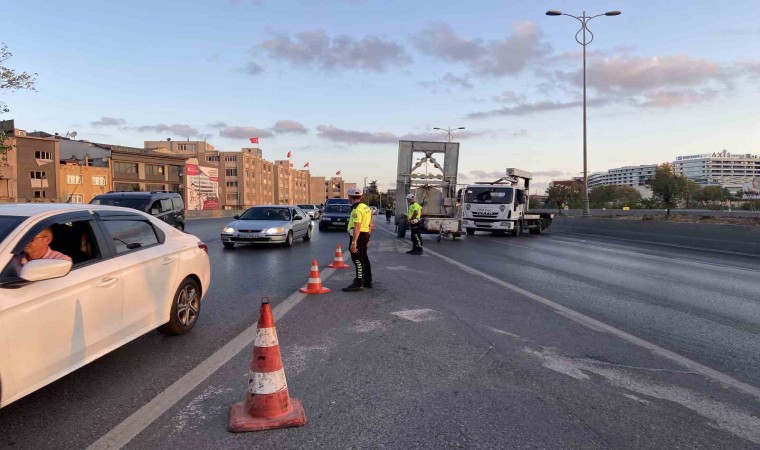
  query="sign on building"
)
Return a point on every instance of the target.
[{"x": 202, "y": 186}]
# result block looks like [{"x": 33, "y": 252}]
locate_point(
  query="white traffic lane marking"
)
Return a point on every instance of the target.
[
  {"x": 594, "y": 324},
  {"x": 124, "y": 432}
]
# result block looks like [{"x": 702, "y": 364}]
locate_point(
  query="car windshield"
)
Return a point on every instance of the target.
[
  {"x": 134, "y": 203},
  {"x": 264, "y": 213},
  {"x": 306, "y": 206},
  {"x": 7, "y": 224},
  {"x": 338, "y": 201},
  {"x": 346, "y": 209},
  {"x": 498, "y": 195}
]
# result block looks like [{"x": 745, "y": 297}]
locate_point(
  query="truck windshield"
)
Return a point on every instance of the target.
[{"x": 493, "y": 195}]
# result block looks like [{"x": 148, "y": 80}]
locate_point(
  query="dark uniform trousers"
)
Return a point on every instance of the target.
[
  {"x": 361, "y": 259},
  {"x": 416, "y": 236}
]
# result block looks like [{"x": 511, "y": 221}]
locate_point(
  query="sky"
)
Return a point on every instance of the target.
[{"x": 338, "y": 83}]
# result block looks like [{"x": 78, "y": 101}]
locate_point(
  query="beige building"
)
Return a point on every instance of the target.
[
  {"x": 291, "y": 186},
  {"x": 245, "y": 177},
  {"x": 138, "y": 169},
  {"x": 335, "y": 187},
  {"x": 28, "y": 166},
  {"x": 185, "y": 148},
  {"x": 317, "y": 190},
  {"x": 80, "y": 181}
]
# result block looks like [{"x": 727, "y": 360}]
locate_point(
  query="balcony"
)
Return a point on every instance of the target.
[
  {"x": 126, "y": 176},
  {"x": 159, "y": 177}
]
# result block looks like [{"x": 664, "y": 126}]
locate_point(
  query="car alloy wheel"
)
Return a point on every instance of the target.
[{"x": 186, "y": 308}]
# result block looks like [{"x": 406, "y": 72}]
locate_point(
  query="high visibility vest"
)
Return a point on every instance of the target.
[
  {"x": 361, "y": 214},
  {"x": 415, "y": 208}
]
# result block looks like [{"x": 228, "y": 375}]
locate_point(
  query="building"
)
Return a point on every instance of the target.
[
  {"x": 81, "y": 180},
  {"x": 245, "y": 177},
  {"x": 28, "y": 166},
  {"x": 184, "y": 148},
  {"x": 139, "y": 169},
  {"x": 729, "y": 170},
  {"x": 291, "y": 186},
  {"x": 317, "y": 190},
  {"x": 634, "y": 176},
  {"x": 335, "y": 187}
]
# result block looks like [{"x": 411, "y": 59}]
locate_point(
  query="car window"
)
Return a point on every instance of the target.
[
  {"x": 166, "y": 205},
  {"x": 76, "y": 240},
  {"x": 177, "y": 203},
  {"x": 134, "y": 203},
  {"x": 8, "y": 224},
  {"x": 266, "y": 213},
  {"x": 346, "y": 209},
  {"x": 155, "y": 207},
  {"x": 306, "y": 207},
  {"x": 128, "y": 235}
]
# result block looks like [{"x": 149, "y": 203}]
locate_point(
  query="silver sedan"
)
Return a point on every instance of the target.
[{"x": 274, "y": 224}]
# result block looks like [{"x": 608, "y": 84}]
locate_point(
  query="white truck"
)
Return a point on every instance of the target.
[{"x": 501, "y": 206}]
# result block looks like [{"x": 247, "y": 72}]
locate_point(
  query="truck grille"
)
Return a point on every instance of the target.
[{"x": 485, "y": 215}]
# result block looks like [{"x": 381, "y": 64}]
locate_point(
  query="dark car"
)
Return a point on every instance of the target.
[
  {"x": 167, "y": 206},
  {"x": 337, "y": 201},
  {"x": 335, "y": 216}
]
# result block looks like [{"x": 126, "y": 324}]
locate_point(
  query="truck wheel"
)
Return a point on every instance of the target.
[
  {"x": 541, "y": 227},
  {"x": 470, "y": 231},
  {"x": 401, "y": 233}
]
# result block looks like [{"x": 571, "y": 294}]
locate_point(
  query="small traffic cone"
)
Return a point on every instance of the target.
[
  {"x": 338, "y": 260},
  {"x": 315, "y": 282},
  {"x": 267, "y": 404}
]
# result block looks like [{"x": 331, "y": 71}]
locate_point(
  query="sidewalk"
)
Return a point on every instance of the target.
[{"x": 436, "y": 357}]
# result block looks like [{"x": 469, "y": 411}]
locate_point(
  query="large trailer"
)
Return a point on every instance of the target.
[
  {"x": 502, "y": 206},
  {"x": 429, "y": 171}
]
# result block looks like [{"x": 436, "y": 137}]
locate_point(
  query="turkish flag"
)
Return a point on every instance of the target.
[
  {"x": 337, "y": 173},
  {"x": 254, "y": 140},
  {"x": 288, "y": 154},
  {"x": 306, "y": 165}
]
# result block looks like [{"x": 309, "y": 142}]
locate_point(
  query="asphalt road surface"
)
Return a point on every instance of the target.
[{"x": 551, "y": 341}]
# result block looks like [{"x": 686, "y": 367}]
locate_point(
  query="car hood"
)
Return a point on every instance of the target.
[{"x": 258, "y": 225}]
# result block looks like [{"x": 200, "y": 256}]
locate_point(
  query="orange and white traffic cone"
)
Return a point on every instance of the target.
[
  {"x": 338, "y": 260},
  {"x": 315, "y": 282},
  {"x": 267, "y": 404}
]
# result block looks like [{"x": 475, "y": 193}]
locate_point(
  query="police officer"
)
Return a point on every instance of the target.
[
  {"x": 414, "y": 215},
  {"x": 359, "y": 227}
]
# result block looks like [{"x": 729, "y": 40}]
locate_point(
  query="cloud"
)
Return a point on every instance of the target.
[
  {"x": 463, "y": 176},
  {"x": 244, "y": 132},
  {"x": 482, "y": 174},
  {"x": 668, "y": 98},
  {"x": 108, "y": 122},
  {"x": 446, "y": 82},
  {"x": 217, "y": 125},
  {"x": 548, "y": 173},
  {"x": 253, "y": 68},
  {"x": 335, "y": 134},
  {"x": 520, "y": 133},
  {"x": 175, "y": 129},
  {"x": 289, "y": 126},
  {"x": 316, "y": 48},
  {"x": 509, "y": 97},
  {"x": 497, "y": 58},
  {"x": 523, "y": 109}
]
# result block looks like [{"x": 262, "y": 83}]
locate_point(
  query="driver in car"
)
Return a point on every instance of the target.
[{"x": 39, "y": 248}]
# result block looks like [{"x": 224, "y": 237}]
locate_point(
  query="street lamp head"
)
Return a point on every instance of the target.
[
  {"x": 460, "y": 128},
  {"x": 436, "y": 128},
  {"x": 553, "y": 13},
  {"x": 612, "y": 13}
]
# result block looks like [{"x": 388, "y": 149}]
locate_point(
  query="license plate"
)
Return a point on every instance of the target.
[
  {"x": 482, "y": 224},
  {"x": 338, "y": 223},
  {"x": 250, "y": 235}
]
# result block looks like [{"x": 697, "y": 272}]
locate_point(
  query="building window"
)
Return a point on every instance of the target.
[
  {"x": 232, "y": 196},
  {"x": 185, "y": 147},
  {"x": 98, "y": 181},
  {"x": 212, "y": 158},
  {"x": 230, "y": 158},
  {"x": 75, "y": 198},
  {"x": 126, "y": 187},
  {"x": 73, "y": 179},
  {"x": 232, "y": 184},
  {"x": 38, "y": 175},
  {"x": 152, "y": 169},
  {"x": 231, "y": 172},
  {"x": 124, "y": 167},
  {"x": 39, "y": 194},
  {"x": 47, "y": 156}
]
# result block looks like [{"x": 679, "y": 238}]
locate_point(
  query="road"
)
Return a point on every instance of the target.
[{"x": 460, "y": 347}]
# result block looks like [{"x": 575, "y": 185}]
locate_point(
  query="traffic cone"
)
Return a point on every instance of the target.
[
  {"x": 267, "y": 404},
  {"x": 315, "y": 282},
  {"x": 338, "y": 260}
]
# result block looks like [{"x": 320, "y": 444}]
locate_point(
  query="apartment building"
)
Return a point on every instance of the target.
[
  {"x": 28, "y": 166},
  {"x": 729, "y": 170},
  {"x": 245, "y": 177},
  {"x": 317, "y": 190},
  {"x": 184, "y": 148},
  {"x": 81, "y": 180},
  {"x": 291, "y": 186},
  {"x": 139, "y": 169},
  {"x": 634, "y": 176},
  {"x": 335, "y": 187}
]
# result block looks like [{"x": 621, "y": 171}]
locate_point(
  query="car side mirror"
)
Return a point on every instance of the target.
[
  {"x": 236, "y": 217},
  {"x": 297, "y": 218},
  {"x": 154, "y": 212},
  {"x": 45, "y": 269}
]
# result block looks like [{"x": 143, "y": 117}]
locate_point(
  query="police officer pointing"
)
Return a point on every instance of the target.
[
  {"x": 359, "y": 227},
  {"x": 414, "y": 215}
]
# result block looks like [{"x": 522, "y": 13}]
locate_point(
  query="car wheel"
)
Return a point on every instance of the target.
[
  {"x": 181, "y": 226},
  {"x": 470, "y": 231},
  {"x": 308, "y": 234},
  {"x": 186, "y": 307},
  {"x": 228, "y": 244},
  {"x": 288, "y": 240}
]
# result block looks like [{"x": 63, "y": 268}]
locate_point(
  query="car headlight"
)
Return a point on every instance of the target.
[
  {"x": 228, "y": 230},
  {"x": 326, "y": 219},
  {"x": 275, "y": 230}
]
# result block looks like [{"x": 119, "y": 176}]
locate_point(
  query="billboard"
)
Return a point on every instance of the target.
[
  {"x": 751, "y": 190},
  {"x": 202, "y": 187}
]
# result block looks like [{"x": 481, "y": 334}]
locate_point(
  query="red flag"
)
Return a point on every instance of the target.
[
  {"x": 288, "y": 154},
  {"x": 306, "y": 165},
  {"x": 254, "y": 140},
  {"x": 337, "y": 173}
]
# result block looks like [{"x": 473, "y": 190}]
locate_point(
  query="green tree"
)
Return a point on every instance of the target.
[
  {"x": 372, "y": 187},
  {"x": 712, "y": 196},
  {"x": 692, "y": 192},
  {"x": 667, "y": 186},
  {"x": 10, "y": 81},
  {"x": 614, "y": 196},
  {"x": 561, "y": 195}
]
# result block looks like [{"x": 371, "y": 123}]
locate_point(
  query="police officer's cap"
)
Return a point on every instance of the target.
[
  {"x": 410, "y": 197},
  {"x": 354, "y": 192}
]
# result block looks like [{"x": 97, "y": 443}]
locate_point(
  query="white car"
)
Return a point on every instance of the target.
[
  {"x": 130, "y": 273},
  {"x": 374, "y": 210}
]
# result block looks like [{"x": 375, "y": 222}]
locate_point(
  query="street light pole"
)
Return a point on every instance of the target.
[
  {"x": 448, "y": 131},
  {"x": 584, "y": 19}
]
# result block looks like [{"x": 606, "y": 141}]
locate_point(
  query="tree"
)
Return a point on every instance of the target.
[
  {"x": 691, "y": 192},
  {"x": 372, "y": 187},
  {"x": 10, "y": 81},
  {"x": 614, "y": 196},
  {"x": 561, "y": 195},
  {"x": 712, "y": 196},
  {"x": 667, "y": 186}
]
